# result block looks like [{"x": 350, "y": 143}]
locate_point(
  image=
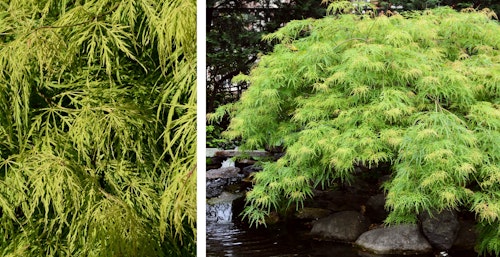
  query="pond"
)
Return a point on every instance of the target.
[{"x": 228, "y": 236}]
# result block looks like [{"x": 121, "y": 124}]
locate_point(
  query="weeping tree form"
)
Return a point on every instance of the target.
[
  {"x": 421, "y": 92},
  {"x": 97, "y": 128}
]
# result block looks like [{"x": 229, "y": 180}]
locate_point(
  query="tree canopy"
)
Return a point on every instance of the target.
[
  {"x": 420, "y": 91},
  {"x": 97, "y": 128}
]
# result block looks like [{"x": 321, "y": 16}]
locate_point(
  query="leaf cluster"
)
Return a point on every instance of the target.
[{"x": 97, "y": 128}]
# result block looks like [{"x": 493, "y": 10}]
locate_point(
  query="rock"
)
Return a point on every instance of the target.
[
  {"x": 375, "y": 208},
  {"x": 218, "y": 179},
  {"x": 226, "y": 172},
  {"x": 467, "y": 236},
  {"x": 309, "y": 213},
  {"x": 245, "y": 162},
  {"x": 399, "y": 239},
  {"x": 272, "y": 218},
  {"x": 342, "y": 226},
  {"x": 214, "y": 162},
  {"x": 251, "y": 169},
  {"x": 215, "y": 187},
  {"x": 440, "y": 229},
  {"x": 210, "y": 152},
  {"x": 225, "y": 197},
  {"x": 236, "y": 152}
]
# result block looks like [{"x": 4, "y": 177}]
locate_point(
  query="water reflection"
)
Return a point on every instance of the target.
[{"x": 230, "y": 237}]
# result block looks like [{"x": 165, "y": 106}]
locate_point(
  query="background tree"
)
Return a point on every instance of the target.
[
  {"x": 234, "y": 32},
  {"x": 456, "y": 4},
  {"x": 351, "y": 90},
  {"x": 97, "y": 128}
]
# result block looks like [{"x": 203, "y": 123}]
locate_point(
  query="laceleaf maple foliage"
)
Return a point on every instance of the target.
[
  {"x": 97, "y": 128},
  {"x": 420, "y": 91}
]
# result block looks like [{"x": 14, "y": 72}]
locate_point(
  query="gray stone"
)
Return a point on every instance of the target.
[
  {"x": 215, "y": 187},
  {"x": 440, "y": 229},
  {"x": 342, "y": 226},
  {"x": 399, "y": 239},
  {"x": 218, "y": 179},
  {"x": 226, "y": 172},
  {"x": 210, "y": 152}
]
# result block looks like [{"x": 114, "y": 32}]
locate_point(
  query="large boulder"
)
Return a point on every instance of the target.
[
  {"x": 342, "y": 226},
  {"x": 225, "y": 172},
  {"x": 399, "y": 239},
  {"x": 440, "y": 229}
]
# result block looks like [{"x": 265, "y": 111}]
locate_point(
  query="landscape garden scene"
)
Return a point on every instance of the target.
[
  {"x": 97, "y": 128},
  {"x": 372, "y": 124}
]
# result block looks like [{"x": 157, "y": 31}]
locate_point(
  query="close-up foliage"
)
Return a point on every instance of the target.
[
  {"x": 419, "y": 91},
  {"x": 97, "y": 128}
]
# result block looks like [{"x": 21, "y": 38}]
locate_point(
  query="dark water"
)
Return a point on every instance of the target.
[
  {"x": 228, "y": 236},
  {"x": 230, "y": 240}
]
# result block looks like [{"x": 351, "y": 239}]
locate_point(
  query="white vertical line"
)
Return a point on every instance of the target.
[{"x": 201, "y": 127}]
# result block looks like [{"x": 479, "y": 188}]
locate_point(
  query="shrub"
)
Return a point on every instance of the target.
[{"x": 419, "y": 91}]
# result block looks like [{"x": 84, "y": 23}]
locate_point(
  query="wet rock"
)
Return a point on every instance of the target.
[
  {"x": 440, "y": 229},
  {"x": 400, "y": 239},
  {"x": 218, "y": 179},
  {"x": 309, "y": 213},
  {"x": 375, "y": 208},
  {"x": 215, "y": 187},
  {"x": 251, "y": 169},
  {"x": 225, "y": 197},
  {"x": 467, "y": 236},
  {"x": 245, "y": 162},
  {"x": 341, "y": 226}
]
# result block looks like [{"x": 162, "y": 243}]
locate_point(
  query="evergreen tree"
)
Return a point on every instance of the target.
[
  {"x": 421, "y": 92},
  {"x": 97, "y": 128}
]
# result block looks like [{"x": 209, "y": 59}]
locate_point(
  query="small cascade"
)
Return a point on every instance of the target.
[{"x": 228, "y": 163}]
